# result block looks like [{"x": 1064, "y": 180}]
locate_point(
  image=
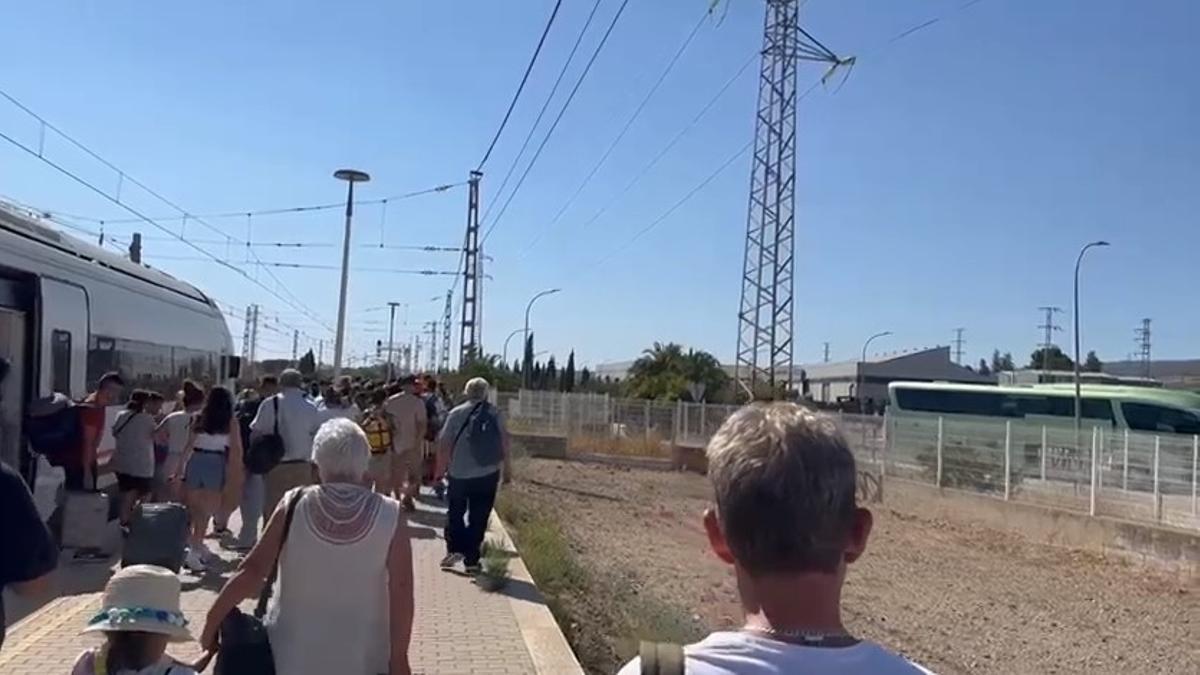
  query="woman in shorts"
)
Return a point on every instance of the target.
[
  {"x": 133, "y": 456},
  {"x": 212, "y": 459}
]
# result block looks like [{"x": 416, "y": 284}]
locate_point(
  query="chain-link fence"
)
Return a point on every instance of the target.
[
  {"x": 601, "y": 424},
  {"x": 1105, "y": 471}
]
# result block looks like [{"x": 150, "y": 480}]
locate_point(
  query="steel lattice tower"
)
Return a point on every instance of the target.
[
  {"x": 471, "y": 300},
  {"x": 765, "y": 317},
  {"x": 444, "y": 366},
  {"x": 764, "y": 354}
]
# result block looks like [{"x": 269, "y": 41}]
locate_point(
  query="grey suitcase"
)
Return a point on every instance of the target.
[{"x": 158, "y": 534}]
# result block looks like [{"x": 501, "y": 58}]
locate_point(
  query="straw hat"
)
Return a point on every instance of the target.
[{"x": 142, "y": 598}]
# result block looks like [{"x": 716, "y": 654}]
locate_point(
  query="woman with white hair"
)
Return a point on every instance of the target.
[{"x": 343, "y": 598}]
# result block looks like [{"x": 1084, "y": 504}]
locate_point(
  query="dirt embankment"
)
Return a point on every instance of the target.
[{"x": 952, "y": 594}]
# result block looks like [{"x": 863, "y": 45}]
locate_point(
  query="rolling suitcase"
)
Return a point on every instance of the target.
[
  {"x": 158, "y": 534},
  {"x": 84, "y": 520}
]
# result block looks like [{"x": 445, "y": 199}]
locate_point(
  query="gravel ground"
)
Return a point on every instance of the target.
[{"x": 953, "y": 595}]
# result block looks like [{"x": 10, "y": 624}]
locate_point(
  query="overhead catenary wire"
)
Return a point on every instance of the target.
[
  {"x": 116, "y": 199},
  {"x": 311, "y": 266},
  {"x": 265, "y": 212},
  {"x": 554, "y": 125},
  {"x": 624, "y": 129},
  {"x": 520, "y": 87},
  {"x": 562, "y": 73},
  {"x": 674, "y": 207}
]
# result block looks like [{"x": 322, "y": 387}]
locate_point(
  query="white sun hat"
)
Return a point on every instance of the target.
[{"x": 142, "y": 598}]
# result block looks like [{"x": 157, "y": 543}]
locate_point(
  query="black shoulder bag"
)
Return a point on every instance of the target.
[
  {"x": 244, "y": 647},
  {"x": 266, "y": 450}
]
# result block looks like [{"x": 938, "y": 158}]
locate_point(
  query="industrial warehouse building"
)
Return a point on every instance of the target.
[{"x": 833, "y": 382}]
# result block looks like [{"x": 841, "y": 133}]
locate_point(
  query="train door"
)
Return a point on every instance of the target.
[
  {"x": 62, "y": 365},
  {"x": 13, "y": 349},
  {"x": 63, "y": 339}
]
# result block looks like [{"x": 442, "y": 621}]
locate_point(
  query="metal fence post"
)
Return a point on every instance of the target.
[
  {"x": 681, "y": 421},
  {"x": 1007, "y": 459},
  {"x": 887, "y": 439},
  {"x": 939, "y": 452},
  {"x": 1195, "y": 470},
  {"x": 1125, "y": 463},
  {"x": 1043, "y": 456},
  {"x": 703, "y": 421},
  {"x": 1095, "y": 471},
  {"x": 1157, "y": 496}
]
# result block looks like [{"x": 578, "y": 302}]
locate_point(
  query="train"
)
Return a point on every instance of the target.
[{"x": 71, "y": 311}]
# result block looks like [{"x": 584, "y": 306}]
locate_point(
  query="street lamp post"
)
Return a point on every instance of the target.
[
  {"x": 391, "y": 334},
  {"x": 1078, "y": 395},
  {"x": 504, "y": 358},
  {"x": 862, "y": 364},
  {"x": 351, "y": 176},
  {"x": 525, "y": 366}
]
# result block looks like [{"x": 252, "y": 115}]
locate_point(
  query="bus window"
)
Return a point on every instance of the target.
[
  {"x": 1150, "y": 417},
  {"x": 1095, "y": 409},
  {"x": 951, "y": 402}
]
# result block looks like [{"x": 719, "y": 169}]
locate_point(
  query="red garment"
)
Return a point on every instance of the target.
[{"x": 91, "y": 421}]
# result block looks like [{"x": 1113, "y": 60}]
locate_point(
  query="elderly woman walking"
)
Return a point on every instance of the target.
[{"x": 343, "y": 598}]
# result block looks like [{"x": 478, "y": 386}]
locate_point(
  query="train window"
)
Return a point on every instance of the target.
[
  {"x": 101, "y": 358},
  {"x": 60, "y": 362}
]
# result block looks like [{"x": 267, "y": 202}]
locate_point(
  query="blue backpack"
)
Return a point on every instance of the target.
[{"x": 483, "y": 434}]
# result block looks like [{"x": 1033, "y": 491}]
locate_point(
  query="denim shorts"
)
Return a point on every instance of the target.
[{"x": 205, "y": 471}]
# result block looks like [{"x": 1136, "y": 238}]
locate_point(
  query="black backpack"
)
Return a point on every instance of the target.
[
  {"x": 266, "y": 450},
  {"x": 54, "y": 429},
  {"x": 434, "y": 421}
]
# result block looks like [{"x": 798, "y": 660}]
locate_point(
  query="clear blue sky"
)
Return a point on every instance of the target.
[{"x": 949, "y": 183}]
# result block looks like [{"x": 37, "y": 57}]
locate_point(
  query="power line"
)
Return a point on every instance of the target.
[
  {"x": 521, "y": 87},
  {"x": 671, "y": 144},
  {"x": 264, "y": 212},
  {"x": 554, "y": 125},
  {"x": 122, "y": 176},
  {"x": 308, "y": 266},
  {"x": 666, "y": 214},
  {"x": 624, "y": 130},
  {"x": 546, "y": 104}
]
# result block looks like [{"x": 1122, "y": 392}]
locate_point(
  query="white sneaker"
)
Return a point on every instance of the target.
[
  {"x": 207, "y": 555},
  {"x": 451, "y": 560},
  {"x": 194, "y": 561}
]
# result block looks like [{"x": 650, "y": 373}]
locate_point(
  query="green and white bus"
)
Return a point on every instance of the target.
[{"x": 1131, "y": 420}]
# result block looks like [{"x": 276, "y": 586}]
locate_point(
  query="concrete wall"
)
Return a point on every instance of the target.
[{"x": 1170, "y": 548}]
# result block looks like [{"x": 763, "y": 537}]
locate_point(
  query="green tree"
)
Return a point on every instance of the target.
[
  {"x": 664, "y": 372},
  {"x": 527, "y": 360},
  {"x": 1002, "y": 362},
  {"x": 703, "y": 368},
  {"x": 308, "y": 363},
  {"x": 984, "y": 369},
  {"x": 568, "y": 374},
  {"x": 1092, "y": 363},
  {"x": 1051, "y": 358},
  {"x": 585, "y": 378},
  {"x": 551, "y": 382}
]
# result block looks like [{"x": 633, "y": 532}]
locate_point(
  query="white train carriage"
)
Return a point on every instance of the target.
[{"x": 70, "y": 311}]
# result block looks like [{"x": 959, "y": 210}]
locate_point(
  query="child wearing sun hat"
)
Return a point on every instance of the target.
[{"x": 140, "y": 614}]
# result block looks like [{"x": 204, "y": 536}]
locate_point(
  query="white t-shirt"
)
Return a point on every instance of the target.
[
  {"x": 740, "y": 653},
  {"x": 176, "y": 426}
]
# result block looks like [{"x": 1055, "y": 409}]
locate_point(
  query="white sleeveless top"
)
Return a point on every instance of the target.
[
  {"x": 328, "y": 613},
  {"x": 212, "y": 442}
]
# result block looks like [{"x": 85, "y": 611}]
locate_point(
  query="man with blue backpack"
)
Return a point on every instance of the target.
[{"x": 473, "y": 454}]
